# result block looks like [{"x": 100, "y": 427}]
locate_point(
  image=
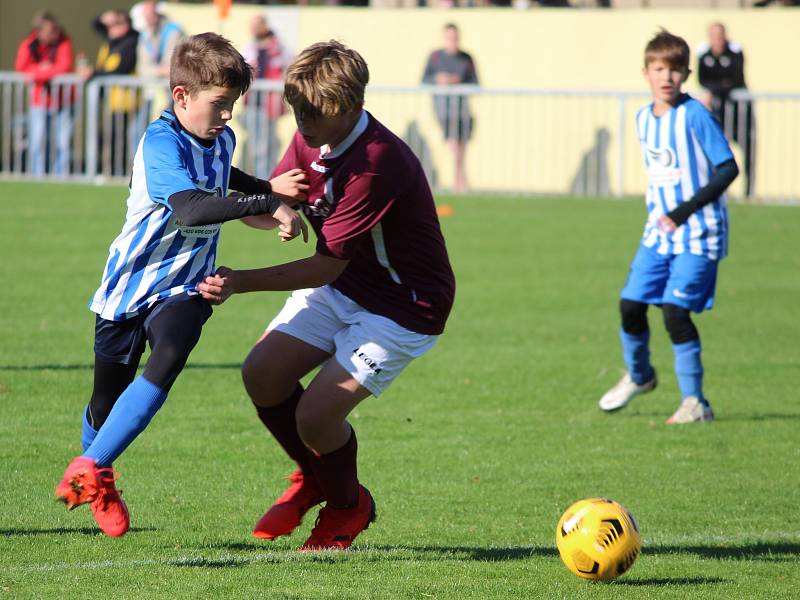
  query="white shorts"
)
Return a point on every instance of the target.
[{"x": 372, "y": 348}]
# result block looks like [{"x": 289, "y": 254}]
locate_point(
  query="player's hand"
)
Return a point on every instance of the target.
[
  {"x": 290, "y": 224},
  {"x": 666, "y": 224},
  {"x": 218, "y": 287},
  {"x": 291, "y": 187}
]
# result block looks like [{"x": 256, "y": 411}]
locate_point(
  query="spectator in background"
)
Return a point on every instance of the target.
[
  {"x": 43, "y": 55},
  {"x": 117, "y": 56},
  {"x": 157, "y": 40},
  {"x": 721, "y": 71},
  {"x": 452, "y": 66},
  {"x": 269, "y": 59}
]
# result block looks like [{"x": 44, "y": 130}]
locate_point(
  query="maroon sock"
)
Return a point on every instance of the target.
[
  {"x": 337, "y": 474},
  {"x": 280, "y": 421}
]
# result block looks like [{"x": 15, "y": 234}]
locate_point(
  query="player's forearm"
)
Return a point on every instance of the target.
[
  {"x": 196, "y": 207},
  {"x": 311, "y": 272},
  {"x": 719, "y": 182},
  {"x": 248, "y": 184}
]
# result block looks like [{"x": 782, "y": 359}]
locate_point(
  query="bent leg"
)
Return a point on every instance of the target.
[
  {"x": 323, "y": 427},
  {"x": 271, "y": 375},
  {"x": 635, "y": 338},
  {"x": 173, "y": 330}
]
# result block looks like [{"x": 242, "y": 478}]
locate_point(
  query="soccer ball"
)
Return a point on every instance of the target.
[{"x": 598, "y": 539}]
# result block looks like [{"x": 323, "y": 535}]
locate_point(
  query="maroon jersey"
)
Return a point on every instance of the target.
[{"x": 369, "y": 203}]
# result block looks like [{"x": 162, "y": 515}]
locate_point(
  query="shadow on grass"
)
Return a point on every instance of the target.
[
  {"x": 662, "y": 581},
  {"x": 476, "y": 553},
  {"x": 211, "y": 563},
  {"x": 87, "y": 367},
  {"x": 23, "y": 532},
  {"x": 768, "y": 551},
  {"x": 765, "y": 551}
]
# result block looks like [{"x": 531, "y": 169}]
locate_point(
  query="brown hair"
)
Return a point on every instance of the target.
[
  {"x": 205, "y": 60},
  {"x": 327, "y": 79},
  {"x": 668, "y": 47}
]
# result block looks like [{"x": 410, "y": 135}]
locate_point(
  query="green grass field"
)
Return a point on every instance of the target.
[{"x": 471, "y": 456}]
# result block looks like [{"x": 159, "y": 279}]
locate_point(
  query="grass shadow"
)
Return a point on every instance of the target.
[
  {"x": 89, "y": 366},
  {"x": 476, "y": 553},
  {"x": 24, "y": 532},
  {"x": 200, "y": 562},
  {"x": 663, "y": 581},
  {"x": 768, "y": 551}
]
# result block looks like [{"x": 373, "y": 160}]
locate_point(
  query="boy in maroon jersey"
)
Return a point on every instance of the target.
[{"x": 374, "y": 296}]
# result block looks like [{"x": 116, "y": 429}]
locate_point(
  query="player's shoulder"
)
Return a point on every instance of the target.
[
  {"x": 161, "y": 133},
  {"x": 384, "y": 150},
  {"x": 696, "y": 112}
]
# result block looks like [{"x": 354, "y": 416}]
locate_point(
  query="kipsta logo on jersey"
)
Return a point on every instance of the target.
[{"x": 663, "y": 157}]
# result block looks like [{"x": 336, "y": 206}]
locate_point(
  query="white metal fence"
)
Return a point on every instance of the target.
[{"x": 517, "y": 140}]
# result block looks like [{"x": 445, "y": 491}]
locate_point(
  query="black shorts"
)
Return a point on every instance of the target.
[
  {"x": 454, "y": 117},
  {"x": 124, "y": 341}
]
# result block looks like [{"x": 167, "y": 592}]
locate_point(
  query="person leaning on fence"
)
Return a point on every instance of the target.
[
  {"x": 452, "y": 66},
  {"x": 43, "y": 55},
  {"x": 117, "y": 56},
  {"x": 721, "y": 72},
  {"x": 177, "y": 202}
]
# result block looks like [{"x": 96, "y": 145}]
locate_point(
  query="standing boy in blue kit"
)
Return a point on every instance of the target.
[{"x": 689, "y": 166}]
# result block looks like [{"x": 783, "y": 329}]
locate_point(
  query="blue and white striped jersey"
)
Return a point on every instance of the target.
[
  {"x": 681, "y": 149},
  {"x": 155, "y": 256}
]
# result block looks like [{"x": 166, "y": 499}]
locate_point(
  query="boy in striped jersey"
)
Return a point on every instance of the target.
[
  {"x": 689, "y": 166},
  {"x": 178, "y": 199},
  {"x": 374, "y": 296}
]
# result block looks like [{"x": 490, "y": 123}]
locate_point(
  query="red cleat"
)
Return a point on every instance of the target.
[
  {"x": 288, "y": 511},
  {"x": 109, "y": 508},
  {"x": 336, "y": 528},
  {"x": 79, "y": 484}
]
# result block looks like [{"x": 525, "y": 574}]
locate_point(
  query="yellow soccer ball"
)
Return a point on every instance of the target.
[{"x": 598, "y": 539}]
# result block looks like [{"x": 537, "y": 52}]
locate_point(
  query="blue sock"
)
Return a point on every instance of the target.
[
  {"x": 636, "y": 353},
  {"x": 689, "y": 369},
  {"x": 88, "y": 434},
  {"x": 129, "y": 417}
]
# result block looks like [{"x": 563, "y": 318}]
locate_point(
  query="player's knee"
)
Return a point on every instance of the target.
[
  {"x": 678, "y": 322},
  {"x": 634, "y": 316},
  {"x": 313, "y": 424},
  {"x": 261, "y": 384}
]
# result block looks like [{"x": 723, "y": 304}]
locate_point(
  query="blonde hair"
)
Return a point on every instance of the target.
[
  {"x": 207, "y": 60},
  {"x": 327, "y": 79},
  {"x": 670, "y": 48}
]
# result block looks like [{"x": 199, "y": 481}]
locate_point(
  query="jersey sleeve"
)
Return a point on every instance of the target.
[
  {"x": 165, "y": 169},
  {"x": 367, "y": 197},
  {"x": 708, "y": 132}
]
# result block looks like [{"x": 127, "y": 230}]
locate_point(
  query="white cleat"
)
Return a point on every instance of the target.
[
  {"x": 691, "y": 410},
  {"x": 625, "y": 390}
]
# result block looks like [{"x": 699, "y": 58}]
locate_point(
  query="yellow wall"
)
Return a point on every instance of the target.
[{"x": 544, "y": 49}]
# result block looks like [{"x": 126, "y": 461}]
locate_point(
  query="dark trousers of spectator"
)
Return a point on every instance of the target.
[{"x": 738, "y": 124}]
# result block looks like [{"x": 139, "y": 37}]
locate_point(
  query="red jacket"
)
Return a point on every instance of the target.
[{"x": 31, "y": 55}]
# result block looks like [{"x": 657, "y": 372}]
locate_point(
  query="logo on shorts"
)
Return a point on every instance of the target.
[
  {"x": 679, "y": 294},
  {"x": 370, "y": 362}
]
